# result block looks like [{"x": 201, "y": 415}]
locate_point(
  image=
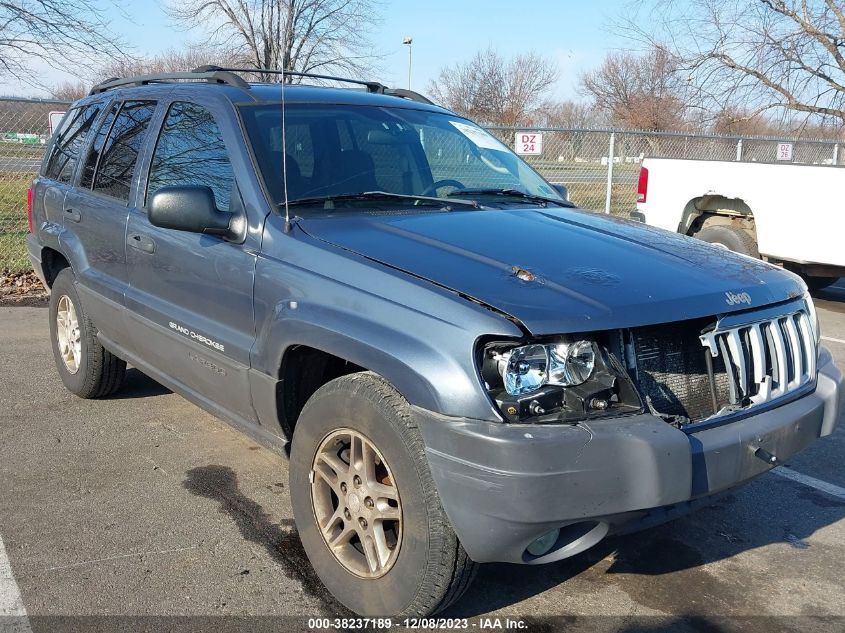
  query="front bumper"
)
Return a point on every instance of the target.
[{"x": 504, "y": 485}]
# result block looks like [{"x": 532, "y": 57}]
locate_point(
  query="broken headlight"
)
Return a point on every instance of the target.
[
  {"x": 527, "y": 368},
  {"x": 555, "y": 380}
]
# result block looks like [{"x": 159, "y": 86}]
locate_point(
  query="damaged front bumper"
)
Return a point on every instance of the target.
[{"x": 504, "y": 485}]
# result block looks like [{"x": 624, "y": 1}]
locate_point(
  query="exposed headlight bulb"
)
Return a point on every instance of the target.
[
  {"x": 571, "y": 363},
  {"x": 527, "y": 368}
]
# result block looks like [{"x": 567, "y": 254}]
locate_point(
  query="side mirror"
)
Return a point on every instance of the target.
[
  {"x": 190, "y": 209},
  {"x": 562, "y": 190}
]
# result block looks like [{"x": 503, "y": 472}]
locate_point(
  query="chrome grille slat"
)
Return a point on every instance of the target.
[
  {"x": 758, "y": 356},
  {"x": 738, "y": 360},
  {"x": 797, "y": 352},
  {"x": 780, "y": 355},
  {"x": 766, "y": 359}
]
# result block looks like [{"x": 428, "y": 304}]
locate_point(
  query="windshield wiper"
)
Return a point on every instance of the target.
[
  {"x": 512, "y": 193},
  {"x": 446, "y": 203}
]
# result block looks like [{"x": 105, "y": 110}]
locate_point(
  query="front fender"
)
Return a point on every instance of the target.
[{"x": 416, "y": 335}]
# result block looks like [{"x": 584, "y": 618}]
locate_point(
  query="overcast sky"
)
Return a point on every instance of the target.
[{"x": 444, "y": 32}]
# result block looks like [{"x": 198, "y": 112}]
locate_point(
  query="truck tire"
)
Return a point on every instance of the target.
[
  {"x": 736, "y": 240},
  {"x": 819, "y": 283},
  {"x": 86, "y": 368},
  {"x": 393, "y": 551}
]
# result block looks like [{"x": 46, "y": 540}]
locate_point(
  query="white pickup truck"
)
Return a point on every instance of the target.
[{"x": 788, "y": 214}]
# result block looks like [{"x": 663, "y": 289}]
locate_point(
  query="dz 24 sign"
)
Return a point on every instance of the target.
[{"x": 530, "y": 143}]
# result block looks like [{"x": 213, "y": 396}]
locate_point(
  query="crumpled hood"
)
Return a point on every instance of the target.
[{"x": 592, "y": 272}]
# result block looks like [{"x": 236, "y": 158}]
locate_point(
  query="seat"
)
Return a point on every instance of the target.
[{"x": 356, "y": 173}]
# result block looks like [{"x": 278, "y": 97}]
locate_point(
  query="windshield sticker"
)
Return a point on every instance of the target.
[{"x": 478, "y": 136}]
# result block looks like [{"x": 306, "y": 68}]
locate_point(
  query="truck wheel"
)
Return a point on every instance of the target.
[
  {"x": 819, "y": 283},
  {"x": 365, "y": 504},
  {"x": 85, "y": 366},
  {"x": 736, "y": 240}
]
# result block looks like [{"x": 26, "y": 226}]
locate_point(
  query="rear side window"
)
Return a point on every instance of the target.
[
  {"x": 119, "y": 153},
  {"x": 190, "y": 151},
  {"x": 90, "y": 165},
  {"x": 69, "y": 141}
]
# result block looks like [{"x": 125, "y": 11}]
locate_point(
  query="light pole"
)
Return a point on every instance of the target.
[{"x": 408, "y": 41}]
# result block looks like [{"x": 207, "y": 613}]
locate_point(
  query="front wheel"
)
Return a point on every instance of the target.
[{"x": 365, "y": 504}]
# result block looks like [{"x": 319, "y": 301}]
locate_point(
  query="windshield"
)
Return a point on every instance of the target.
[{"x": 340, "y": 150}]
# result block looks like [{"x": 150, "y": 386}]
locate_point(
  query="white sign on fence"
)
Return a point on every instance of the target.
[
  {"x": 785, "y": 151},
  {"x": 54, "y": 118},
  {"x": 529, "y": 143}
]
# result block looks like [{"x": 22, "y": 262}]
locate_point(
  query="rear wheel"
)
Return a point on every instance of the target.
[
  {"x": 365, "y": 504},
  {"x": 85, "y": 366},
  {"x": 736, "y": 240}
]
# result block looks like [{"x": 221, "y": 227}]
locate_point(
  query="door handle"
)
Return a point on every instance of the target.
[
  {"x": 72, "y": 214},
  {"x": 141, "y": 242}
]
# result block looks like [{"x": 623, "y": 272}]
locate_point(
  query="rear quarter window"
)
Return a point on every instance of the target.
[{"x": 69, "y": 140}]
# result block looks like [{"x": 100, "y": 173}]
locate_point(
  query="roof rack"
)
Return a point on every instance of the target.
[
  {"x": 220, "y": 75},
  {"x": 211, "y": 75},
  {"x": 372, "y": 86}
]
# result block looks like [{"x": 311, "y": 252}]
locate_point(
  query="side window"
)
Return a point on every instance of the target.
[
  {"x": 69, "y": 141},
  {"x": 120, "y": 150},
  {"x": 90, "y": 164},
  {"x": 190, "y": 151}
]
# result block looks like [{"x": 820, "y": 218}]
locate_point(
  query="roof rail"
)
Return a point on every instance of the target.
[
  {"x": 408, "y": 94},
  {"x": 220, "y": 75},
  {"x": 211, "y": 76},
  {"x": 372, "y": 86}
]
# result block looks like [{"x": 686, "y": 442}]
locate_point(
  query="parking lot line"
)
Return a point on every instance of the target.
[
  {"x": 812, "y": 482},
  {"x": 833, "y": 340},
  {"x": 11, "y": 603}
]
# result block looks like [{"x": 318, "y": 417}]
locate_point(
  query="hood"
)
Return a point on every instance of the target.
[{"x": 590, "y": 272}]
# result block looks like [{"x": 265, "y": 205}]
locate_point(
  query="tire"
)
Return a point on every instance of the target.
[
  {"x": 736, "y": 240},
  {"x": 92, "y": 371},
  {"x": 430, "y": 569},
  {"x": 819, "y": 283}
]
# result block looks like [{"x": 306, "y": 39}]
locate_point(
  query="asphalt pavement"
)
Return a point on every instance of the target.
[{"x": 143, "y": 506}]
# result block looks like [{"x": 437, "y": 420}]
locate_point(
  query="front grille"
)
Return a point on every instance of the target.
[
  {"x": 767, "y": 359},
  {"x": 695, "y": 370}
]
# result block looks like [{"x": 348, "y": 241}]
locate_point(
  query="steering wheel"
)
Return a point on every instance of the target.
[{"x": 446, "y": 182}]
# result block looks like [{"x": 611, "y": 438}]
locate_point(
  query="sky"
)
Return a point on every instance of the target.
[{"x": 572, "y": 33}]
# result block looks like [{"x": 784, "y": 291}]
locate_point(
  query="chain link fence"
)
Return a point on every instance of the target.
[
  {"x": 600, "y": 166},
  {"x": 24, "y": 132}
]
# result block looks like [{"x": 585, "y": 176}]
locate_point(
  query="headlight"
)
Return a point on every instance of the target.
[
  {"x": 814, "y": 317},
  {"x": 526, "y": 369}
]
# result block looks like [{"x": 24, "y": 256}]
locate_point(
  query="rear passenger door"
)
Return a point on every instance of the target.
[
  {"x": 96, "y": 210},
  {"x": 190, "y": 296}
]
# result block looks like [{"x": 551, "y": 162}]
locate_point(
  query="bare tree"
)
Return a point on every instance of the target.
[
  {"x": 570, "y": 115},
  {"x": 70, "y": 90},
  {"x": 638, "y": 91},
  {"x": 755, "y": 56},
  {"x": 493, "y": 90},
  {"x": 326, "y": 36},
  {"x": 172, "y": 61},
  {"x": 55, "y": 31}
]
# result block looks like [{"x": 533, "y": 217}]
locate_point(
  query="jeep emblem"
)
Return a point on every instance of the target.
[{"x": 733, "y": 298}]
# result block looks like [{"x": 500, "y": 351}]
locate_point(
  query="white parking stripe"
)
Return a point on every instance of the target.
[
  {"x": 11, "y": 603},
  {"x": 812, "y": 482},
  {"x": 833, "y": 340}
]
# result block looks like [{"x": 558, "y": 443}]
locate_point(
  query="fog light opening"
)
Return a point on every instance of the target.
[{"x": 544, "y": 544}]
